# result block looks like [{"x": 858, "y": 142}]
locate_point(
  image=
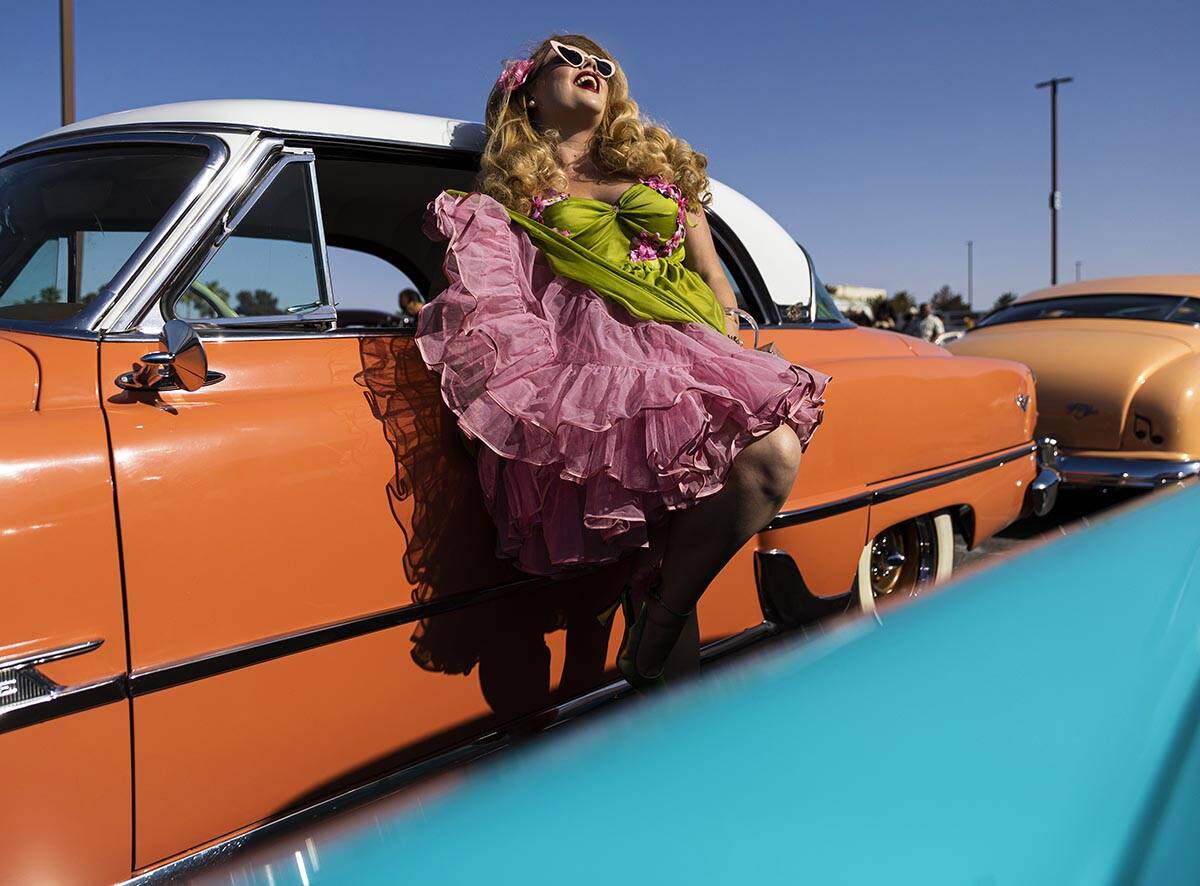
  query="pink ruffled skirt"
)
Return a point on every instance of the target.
[{"x": 594, "y": 424}]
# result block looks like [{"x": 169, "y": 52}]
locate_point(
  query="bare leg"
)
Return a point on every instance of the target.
[{"x": 701, "y": 539}]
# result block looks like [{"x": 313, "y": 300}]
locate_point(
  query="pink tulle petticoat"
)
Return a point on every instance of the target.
[{"x": 594, "y": 424}]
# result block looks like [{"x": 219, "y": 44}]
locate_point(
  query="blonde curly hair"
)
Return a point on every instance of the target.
[{"x": 520, "y": 161}]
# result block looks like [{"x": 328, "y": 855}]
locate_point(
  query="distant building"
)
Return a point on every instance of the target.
[{"x": 855, "y": 299}]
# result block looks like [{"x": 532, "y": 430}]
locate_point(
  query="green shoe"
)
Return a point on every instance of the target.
[{"x": 651, "y": 610}]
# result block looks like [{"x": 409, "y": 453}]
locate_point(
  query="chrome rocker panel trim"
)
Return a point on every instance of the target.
[
  {"x": 1124, "y": 473},
  {"x": 186, "y": 868}
]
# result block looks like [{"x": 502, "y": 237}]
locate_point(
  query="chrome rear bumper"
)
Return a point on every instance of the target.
[
  {"x": 1130, "y": 473},
  {"x": 1043, "y": 491}
]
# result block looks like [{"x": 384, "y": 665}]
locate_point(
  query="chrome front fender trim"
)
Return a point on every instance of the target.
[
  {"x": 1127, "y": 473},
  {"x": 28, "y": 696}
]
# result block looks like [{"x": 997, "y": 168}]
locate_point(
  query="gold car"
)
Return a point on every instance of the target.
[{"x": 1117, "y": 363}]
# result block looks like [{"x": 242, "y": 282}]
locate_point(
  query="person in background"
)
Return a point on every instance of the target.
[
  {"x": 926, "y": 324},
  {"x": 410, "y": 306}
]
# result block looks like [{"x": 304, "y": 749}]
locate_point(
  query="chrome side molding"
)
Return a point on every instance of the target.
[{"x": 23, "y": 686}]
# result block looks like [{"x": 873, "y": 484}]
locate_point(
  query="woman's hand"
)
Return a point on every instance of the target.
[{"x": 732, "y": 325}]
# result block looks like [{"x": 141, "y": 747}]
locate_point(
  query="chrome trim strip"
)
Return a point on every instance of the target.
[
  {"x": 45, "y": 655},
  {"x": 187, "y": 670},
  {"x": 110, "y": 293},
  {"x": 910, "y": 486},
  {"x": 68, "y": 700},
  {"x": 320, "y": 250},
  {"x": 896, "y": 490},
  {"x": 28, "y": 696},
  {"x": 184, "y": 869},
  {"x": 1124, "y": 473},
  {"x": 818, "y": 512}
]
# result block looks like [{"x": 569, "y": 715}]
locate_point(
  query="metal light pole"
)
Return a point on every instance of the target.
[
  {"x": 1078, "y": 269},
  {"x": 1055, "y": 196},
  {"x": 66, "y": 41},
  {"x": 66, "y": 37},
  {"x": 970, "y": 276}
]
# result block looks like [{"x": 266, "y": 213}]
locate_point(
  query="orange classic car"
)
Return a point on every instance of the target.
[
  {"x": 1117, "y": 363},
  {"x": 247, "y": 570}
]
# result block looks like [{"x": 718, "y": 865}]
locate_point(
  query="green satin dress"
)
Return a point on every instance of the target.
[{"x": 630, "y": 251}]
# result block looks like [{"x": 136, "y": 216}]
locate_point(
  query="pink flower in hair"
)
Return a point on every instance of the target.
[{"x": 514, "y": 75}]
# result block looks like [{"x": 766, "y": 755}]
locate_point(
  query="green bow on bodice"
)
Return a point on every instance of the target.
[{"x": 596, "y": 242}]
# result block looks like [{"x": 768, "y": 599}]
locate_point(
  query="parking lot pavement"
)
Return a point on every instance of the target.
[{"x": 1074, "y": 510}]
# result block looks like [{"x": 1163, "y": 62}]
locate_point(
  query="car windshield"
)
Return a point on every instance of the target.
[
  {"x": 1116, "y": 306},
  {"x": 70, "y": 220}
]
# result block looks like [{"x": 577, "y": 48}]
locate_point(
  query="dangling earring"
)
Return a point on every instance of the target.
[{"x": 531, "y": 104}]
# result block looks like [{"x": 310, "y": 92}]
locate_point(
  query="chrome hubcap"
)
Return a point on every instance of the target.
[{"x": 903, "y": 559}]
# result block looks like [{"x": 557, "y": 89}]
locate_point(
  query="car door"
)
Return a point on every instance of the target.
[
  {"x": 294, "y": 533},
  {"x": 64, "y": 721},
  {"x": 71, "y": 216}
]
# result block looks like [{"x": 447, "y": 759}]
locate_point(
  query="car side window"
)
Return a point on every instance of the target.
[
  {"x": 383, "y": 266},
  {"x": 268, "y": 267},
  {"x": 371, "y": 291}
]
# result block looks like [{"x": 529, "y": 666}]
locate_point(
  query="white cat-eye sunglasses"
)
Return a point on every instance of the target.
[{"x": 577, "y": 58}]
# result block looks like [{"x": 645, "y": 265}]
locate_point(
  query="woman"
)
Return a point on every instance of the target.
[{"x": 597, "y": 358}]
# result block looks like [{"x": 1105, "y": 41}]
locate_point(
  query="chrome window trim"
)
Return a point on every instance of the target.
[
  {"x": 247, "y": 158},
  {"x": 234, "y": 334},
  {"x": 88, "y": 319},
  {"x": 325, "y": 312}
]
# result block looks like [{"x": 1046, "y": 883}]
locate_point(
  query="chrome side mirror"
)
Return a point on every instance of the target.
[{"x": 181, "y": 363}]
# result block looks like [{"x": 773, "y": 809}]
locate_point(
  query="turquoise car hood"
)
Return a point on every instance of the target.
[{"x": 1033, "y": 724}]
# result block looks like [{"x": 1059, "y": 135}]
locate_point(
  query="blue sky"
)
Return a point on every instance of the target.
[{"x": 882, "y": 135}]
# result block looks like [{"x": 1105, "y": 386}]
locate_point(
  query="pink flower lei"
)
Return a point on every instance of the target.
[
  {"x": 540, "y": 202},
  {"x": 648, "y": 246}
]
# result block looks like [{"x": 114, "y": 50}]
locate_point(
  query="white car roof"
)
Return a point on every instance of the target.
[
  {"x": 780, "y": 261},
  {"x": 297, "y": 117}
]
